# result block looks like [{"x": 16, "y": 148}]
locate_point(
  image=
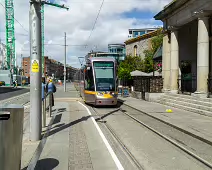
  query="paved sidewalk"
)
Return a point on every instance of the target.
[
  {"x": 29, "y": 147},
  {"x": 71, "y": 142},
  {"x": 193, "y": 123}
]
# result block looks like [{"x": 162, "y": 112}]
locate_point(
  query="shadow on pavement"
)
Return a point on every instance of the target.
[
  {"x": 52, "y": 132},
  {"x": 108, "y": 114},
  {"x": 46, "y": 164},
  {"x": 57, "y": 119}
]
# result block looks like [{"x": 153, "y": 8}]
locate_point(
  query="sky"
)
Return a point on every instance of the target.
[{"x": 115, "y": 18}]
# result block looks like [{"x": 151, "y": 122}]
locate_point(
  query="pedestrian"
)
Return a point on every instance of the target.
[
  {"x": 43, "y": 88},
  {"x": 16, "y": 83},
  {"x": 51, "y": 88}
]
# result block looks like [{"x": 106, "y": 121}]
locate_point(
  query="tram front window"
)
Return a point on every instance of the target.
[
  {"x": 104, "y": 72},
  {"x": 89, "y": 82}
]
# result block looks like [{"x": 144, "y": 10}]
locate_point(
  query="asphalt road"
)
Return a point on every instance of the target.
[{"x": 8, "y": 92}]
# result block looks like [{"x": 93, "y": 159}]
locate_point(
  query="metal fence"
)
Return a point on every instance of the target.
[
  {"x": 187, "y": 86},
  {"x": 210, "y": 84}
]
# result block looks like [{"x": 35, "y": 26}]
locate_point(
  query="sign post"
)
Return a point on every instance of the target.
[{"x": 35, "y": 74}]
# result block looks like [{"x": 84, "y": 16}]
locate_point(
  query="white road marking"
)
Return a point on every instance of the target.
[{"x": 112, "y": 153}]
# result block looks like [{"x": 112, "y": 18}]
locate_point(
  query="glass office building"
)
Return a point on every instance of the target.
[{"x": 119, "y": 49}]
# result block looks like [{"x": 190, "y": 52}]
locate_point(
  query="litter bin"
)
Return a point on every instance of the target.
[{"x": 11, "y": 135}]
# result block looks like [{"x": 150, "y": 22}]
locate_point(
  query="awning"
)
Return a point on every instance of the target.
[
  {"x": 158, "y": 54},
  {"x": 156, "y": 73},
  {"x": 138, "y": 73}
]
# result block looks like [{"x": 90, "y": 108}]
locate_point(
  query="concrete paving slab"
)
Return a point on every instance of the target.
[
  {"x": 150, "y": 150},
  {"x": 29, "y": 147},
  {"x": 74, "y": 142}
]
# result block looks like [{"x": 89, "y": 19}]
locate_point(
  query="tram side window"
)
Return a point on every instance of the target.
[{"x": 89, "y": 82}]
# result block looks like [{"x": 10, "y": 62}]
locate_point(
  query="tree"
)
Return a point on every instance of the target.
[
  {"x": 156, "y": 42},
  {"x": 128, "y": 65}
]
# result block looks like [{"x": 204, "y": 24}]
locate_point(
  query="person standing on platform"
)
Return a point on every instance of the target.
[{"x": 51, "y": 88}]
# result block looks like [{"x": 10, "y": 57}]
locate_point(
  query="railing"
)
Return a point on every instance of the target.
[
  {"x": 210, "y": 84},
  {"x": 187, "y": 85},
  {"x": 47, "y": 99}
]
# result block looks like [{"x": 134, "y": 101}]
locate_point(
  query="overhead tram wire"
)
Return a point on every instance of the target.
[{"x": 95, "y": 21}]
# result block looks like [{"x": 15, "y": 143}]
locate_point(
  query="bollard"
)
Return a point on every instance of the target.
[
  {"x": 11, "y": 135},
  {"x": 50, "y": 104}
]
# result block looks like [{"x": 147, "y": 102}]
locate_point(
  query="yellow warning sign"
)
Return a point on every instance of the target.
[{"x": 35, "y": 66}]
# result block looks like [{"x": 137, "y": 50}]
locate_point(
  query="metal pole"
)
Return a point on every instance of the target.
[
  {"x": 65, "y": 66},
  {"x": 35, "y": 73},
  {"x": 50, "y": 105},
  {"x": 21, "y": 69}
]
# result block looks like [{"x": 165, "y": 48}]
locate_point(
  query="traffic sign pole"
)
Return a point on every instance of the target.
[
  {"x": 36, "y": 68},
  {"x": 65, "y": 66}
]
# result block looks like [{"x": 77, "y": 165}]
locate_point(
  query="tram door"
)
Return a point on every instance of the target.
[{"x": 89, "y": 85}]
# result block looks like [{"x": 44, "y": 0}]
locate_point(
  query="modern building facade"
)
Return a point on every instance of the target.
[
  {"x": 187, "y": 47},
  {"x": 118, "y": 48},
  {"x": 133, "y": 33}
]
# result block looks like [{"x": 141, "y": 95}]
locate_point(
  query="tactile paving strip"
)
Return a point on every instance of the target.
[{"x": 79, "y": 156}]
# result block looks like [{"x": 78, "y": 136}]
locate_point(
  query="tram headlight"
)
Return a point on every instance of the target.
[
  {"x": 112, "y": 93},
  {"x": 100, "y": 94}
]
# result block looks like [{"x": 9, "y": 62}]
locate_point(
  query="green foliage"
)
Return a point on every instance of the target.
[
  {"x": 156, "y": 42},
  {"x": 128, "y": 65},
  {"x": 148, "y": 61},
  {"x": 132, "y": 63}
]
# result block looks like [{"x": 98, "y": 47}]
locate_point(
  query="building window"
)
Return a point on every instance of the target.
[
  {"x": 135, "y": 34},
  {"x": 135, "y": 50}
]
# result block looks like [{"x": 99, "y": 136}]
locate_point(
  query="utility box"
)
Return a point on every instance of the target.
[{"x": 11, "y": 135}]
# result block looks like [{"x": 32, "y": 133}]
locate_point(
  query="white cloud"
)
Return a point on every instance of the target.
[{"x": 111, "y": 27}]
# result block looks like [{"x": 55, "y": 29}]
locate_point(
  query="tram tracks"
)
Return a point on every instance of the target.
[
  {"x": 123, "y": 146},
  {"x": 205, "y": 162},
  {"x": 195, "y": 148}
]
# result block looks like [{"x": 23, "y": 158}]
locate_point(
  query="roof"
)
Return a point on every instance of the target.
[
  {"x": 102, "y": 59},
  {"x": 137, "y": 29},
  {"x": 116, "y": 44},
  {"x": 170, "y": 8},
  {"x": 158, "y": 53},
  {"x": 143, "y": 37},
  {"x": 138, "y": 73}
]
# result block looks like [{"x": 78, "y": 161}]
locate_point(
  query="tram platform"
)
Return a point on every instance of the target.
[
  {"x": 72, "y": 140},
  {"x": 191, "y": 123}
]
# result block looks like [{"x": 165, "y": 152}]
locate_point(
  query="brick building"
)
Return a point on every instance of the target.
[{"x": 51, "y": 68}]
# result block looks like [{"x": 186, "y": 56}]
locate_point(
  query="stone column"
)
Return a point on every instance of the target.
[
  {"x": 202, "y": 55},
  {"x": 166, "y": 64},
  {"x": 174, "y": 61}
]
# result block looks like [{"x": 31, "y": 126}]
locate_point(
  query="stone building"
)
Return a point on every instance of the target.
[
  {"x": 137, "y": 46},
  {"x": 187, "y": 53},
  {"x": 188, "y": 24}
]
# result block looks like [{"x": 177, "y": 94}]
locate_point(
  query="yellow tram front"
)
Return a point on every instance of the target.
[{"x": 100, "y": 86}]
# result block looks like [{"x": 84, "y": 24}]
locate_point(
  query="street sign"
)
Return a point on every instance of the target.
[{"x": 35, "y": 66}]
